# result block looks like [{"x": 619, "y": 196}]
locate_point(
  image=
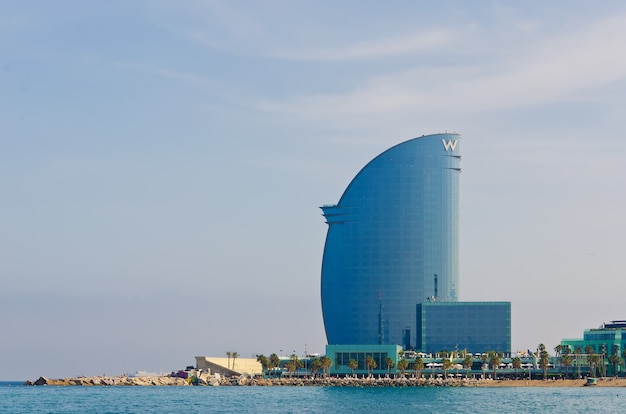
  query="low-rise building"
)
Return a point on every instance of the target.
[
  {"x": 475, "y": 327},
  {"x": 229, "y": 366},
  {"x": 606, "y": 342}
]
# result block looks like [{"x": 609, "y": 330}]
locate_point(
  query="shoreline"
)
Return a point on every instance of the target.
[{"x": 155, "y": 381}]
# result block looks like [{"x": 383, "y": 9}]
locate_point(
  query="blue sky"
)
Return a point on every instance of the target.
[{"x": 162, "y": 164}]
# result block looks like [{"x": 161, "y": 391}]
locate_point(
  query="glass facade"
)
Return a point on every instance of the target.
[
  {"x": 471, "y": 326},
  {"x": 393, "y": 242},
  {"x": 342, "y": 354},
  {"x": 608, "y": 339}
]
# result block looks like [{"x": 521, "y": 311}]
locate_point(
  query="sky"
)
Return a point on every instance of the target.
[{"x": 162, "y": 164}]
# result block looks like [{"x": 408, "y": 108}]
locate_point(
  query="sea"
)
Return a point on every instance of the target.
[{"x": 16, "y": 398}]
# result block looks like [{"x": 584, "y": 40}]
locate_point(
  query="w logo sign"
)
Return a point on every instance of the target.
[{"x": 449, "y": 144}]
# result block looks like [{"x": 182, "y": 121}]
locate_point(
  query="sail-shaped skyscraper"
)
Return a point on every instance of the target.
[{"x": 393, "y": 243}]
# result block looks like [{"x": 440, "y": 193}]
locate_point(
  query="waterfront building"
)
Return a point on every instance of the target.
[
  {"x": 607, "y": 340},
  {"x": 475, "y": 327},
  {"x": 342, "y": 354},
  {"x": 228, "y": 366},
  {"x": 390, "y": 270},
  {"x": 393, "y": 242}
]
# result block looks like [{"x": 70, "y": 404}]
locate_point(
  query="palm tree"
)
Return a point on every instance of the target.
[
  {"x": 590, "y": 351},
  {"x": 270, "y": 367},
  {"x": 544, "y": 362},
  {"x": 295, "y": 363},
  {"x": 403, "y": 364},
  {"x": 326, "y": 363},
  {"x": 274, "y": 361},
  {"x": 540, "y": 348},
  {"x": 544, "y": 359},
  {"x": 262, "y": 359},
  {"x": 419, "y": 366},
  {"x": 370, "y": 364},
  {"x": 446, "y": 364},
  {"x": 577, "y": 352},
  {"x": 353, "y": 365},
  {"x": 390, "y": 364},
  {"x": 558, "y": 349},
  {"x": 484, "y": 357},
  {"x": 494, "y": 361},
  {"x": 517, "y": 365},
  {"x": 228, "y": 353},
  {"x": 602, "y": 359},
  {"x": 615, "y": 360},
  {"x": 316, "y": 365},
  {"x": 468, "y": 361},
  {"x": 291, "y": 367},
  {"x": 618, "y": 360},
  {"x": 594, "y": 360},
  {"x": 566, "y": 361},
  {"x": 235, "y": 355},
  {"x": 565, "y": 353}
]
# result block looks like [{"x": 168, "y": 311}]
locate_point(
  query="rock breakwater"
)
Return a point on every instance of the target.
[
  {"x": 205, "y": 379},
  {"x": 244, "y": 380},
  {"x": 110, "y": 381}
]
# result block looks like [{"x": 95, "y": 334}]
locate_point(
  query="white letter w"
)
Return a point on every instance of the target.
[{"x": 449, "y": 145}]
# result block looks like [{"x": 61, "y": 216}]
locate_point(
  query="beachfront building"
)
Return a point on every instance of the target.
[
  {"x": 393, "y": 242},
  {"x": 475, "y": 327},
  {"x": 228, "y": 367},
  {"x": 609, "y": 337},
  {"x": 377, "y": 355},
  {"x": 606, "y": 341}
]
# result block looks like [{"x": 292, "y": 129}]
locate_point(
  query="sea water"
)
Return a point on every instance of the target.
[{"x": 15, "y": 398}]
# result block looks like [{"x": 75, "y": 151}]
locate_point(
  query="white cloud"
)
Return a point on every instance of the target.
[
  {"x": 549, "y": 71},
  {"x": 395, "y": 46},
  {"x": 375, "y": 49}
]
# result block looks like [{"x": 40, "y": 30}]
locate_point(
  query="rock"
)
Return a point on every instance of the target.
[{"x": 41, "y": 381}]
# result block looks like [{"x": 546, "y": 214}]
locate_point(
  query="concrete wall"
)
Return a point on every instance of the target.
[{"x": 224, "y": 366}]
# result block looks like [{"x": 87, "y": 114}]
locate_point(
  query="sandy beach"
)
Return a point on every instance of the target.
[{"x": 602, "y": 382}]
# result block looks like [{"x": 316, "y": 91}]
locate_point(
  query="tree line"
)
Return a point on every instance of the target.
[
  {"x": 566, "y": 357},
  {"x": 315, "y": 365}
]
